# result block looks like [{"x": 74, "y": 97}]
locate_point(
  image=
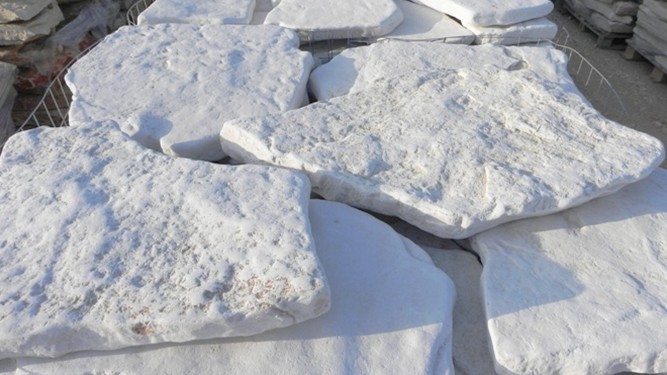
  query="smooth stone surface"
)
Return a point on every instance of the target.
[
  {"x": 391, "y": 313},
  {"x": 336, "y": 19},
  {"x": 44, "y": 23},
  {"x": 23, "y": 10},
  {"x": 355, "y": 69},
  {"x": 112, "y": 245},
  {"x": 198, "y": 12},
  {"x": 581, "y": 291},
  {"x": 470, "y": 341},
  {"x": 177, "y": 104},
  {"x": 536, "y": 30},
  {"x": 425, "y": 24},
  {"x": 453, "y": 152},
  {"x": 491, "y": 12}
]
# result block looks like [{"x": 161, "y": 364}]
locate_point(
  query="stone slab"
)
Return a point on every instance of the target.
[
  {"x": 336, "y": 19},
  {"x": 24, "y": 10},
  {"x": 581, "y": 291},
  {"x": 536, "y": 30},
  {"x": 453, "y": 152},
  {"x": 659, "y": 8},
  {"x": 112, "y": 245},
  {"x": 177, "y": 104},
  {"x": 43, "y": 24},
  {"x": 425, "y": 24},
  {"x": 391, "y": 313},
  {"x": 198, "y": 12},
  {"x": 608, "y": 12},
  {"x": 491, "y": 12}
]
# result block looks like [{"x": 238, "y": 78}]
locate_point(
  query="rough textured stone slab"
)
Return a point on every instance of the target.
[
  {"x": 491, "y": 12},
  {"x": 453, "y": 152},
  {"x": 177, "y": 104},
  {"x": 524, "y": 32},
  {"x": 23, "y": 10},
  {"x": 650, "y": 22},
  {"x": 112, "y": 245},
  {"x": 355, "y": 69},
  {"x": 581, "y": 291},
  {"x": 198, "y": 12},
  {"x": 391, "y": 313},
  {"x": 21, "y": 32},
  {"x": 336, "y": 19},
  {"x": 659, "y": 8},
  {"x": 426, "y": 24},
  {"x": 608, "y": 12},
  {"x": 470, "y": 346}
]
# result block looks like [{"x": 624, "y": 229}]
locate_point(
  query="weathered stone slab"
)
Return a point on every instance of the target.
[
  {"x": 198, "y": 12},
  {"x": 24, "y": 10},
  {"x": 177, "y": 104},
  {"x": 581, "y": 291},
  {"x": 44, "y": 23},
  {"x": 356, "y": 69},
  {"x": 491, "y": 12},
  {"x": 453, "y": 152},
  {"x": 112, "y": 245},
  {"x": 336, "y": 19},
  {"x": 425, "y": 24},
  {"x": 391, "y": 313},
  {"x": 8, "y": 74},
  {"x": 540, "y": 29}
]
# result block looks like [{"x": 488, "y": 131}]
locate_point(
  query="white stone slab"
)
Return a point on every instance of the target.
[
  {"x": 470, "y": 344},
  {"x": 426, "y": 24},
  {"x": 44, "y": 23},
  {"x": 112, "y": 245},
  {"x": 453, "y": 152},
  {"x": 336, "y": 19},
  {"x": 582, "y": 291},
  {"x": 198, "y": 12},
  {"x": 540, "y": 29},
  {"x": 23, "y": 10},
  {"x": 148, "y": 80},
  {"x": 491, "y": 12},
  {"x": 391, "y": 314},
  {"x": 356, "y": 69}
]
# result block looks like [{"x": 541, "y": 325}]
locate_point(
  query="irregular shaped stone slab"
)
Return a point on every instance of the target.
[
  {"x": 176, "y": 104},
  {"x": 198, "y": 12},
  {"x": 581, "y": 291},
  {"x": 391, "y": 313},
  {"x": 355, "y": 69},
  {"x": 112, "y": 245},
  {"x": 44, "y": 23},
  {"x": 425, "y": 24},
  {"x": 336, "y": 19},
  {"x": 453, "y": 152},
  {"x": 491, "y": 12},
  {"x": 470, "y": 339},
  {"x": 536, "y": 30},
  {"x": 24, "y": 10}
]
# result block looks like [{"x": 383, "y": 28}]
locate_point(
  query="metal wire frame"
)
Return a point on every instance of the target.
[{"x": 135, "y": 10}]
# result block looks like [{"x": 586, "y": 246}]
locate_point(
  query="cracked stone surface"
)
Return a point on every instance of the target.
[
  {"x": 453, "y": 152},
  {"x": 198, "y": 12},
  {"x": 581, "y": 291},
  {"x": 112, "y": 245}
]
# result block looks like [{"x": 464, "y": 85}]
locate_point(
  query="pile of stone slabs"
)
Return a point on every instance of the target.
[
  {"x": 147, "y": 79},
  {"x": 112, "y": 245},
  {"x": 24, "y": 21},
  {"x": 8, "y": 73}
]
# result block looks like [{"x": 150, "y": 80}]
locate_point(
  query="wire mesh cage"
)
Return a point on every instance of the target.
[{"x": 135, "y": 10}]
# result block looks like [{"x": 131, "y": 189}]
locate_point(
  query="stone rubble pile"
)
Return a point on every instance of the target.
[{"x": 172, "y": 229}]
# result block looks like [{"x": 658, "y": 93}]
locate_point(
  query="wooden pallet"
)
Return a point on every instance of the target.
[
  {"x": 657, "y": 74},
  {"x": 606, "y": 40}
]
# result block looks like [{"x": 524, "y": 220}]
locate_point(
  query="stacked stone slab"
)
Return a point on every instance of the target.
[
  {"x": 609, "y": 16},
  {"x": 650, "y": 33},
  {"x": 24, "y": 21}
]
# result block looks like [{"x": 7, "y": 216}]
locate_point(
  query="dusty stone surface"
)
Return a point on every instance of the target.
[
  {"x": 491, "y": 12},
  {"x": 453, "y": 152},
  {"x": 44, "y": 23},
  {"x": 391, "y": 313},
  {"x": 198, "y": 12},
  {"x": 112, "y": 245},
  {"x": 11, "y": 10},
  {"x": 581, "y": 291}
]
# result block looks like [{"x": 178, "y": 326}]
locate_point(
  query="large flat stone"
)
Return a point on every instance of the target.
[
  {"x": 108, "y": 244},
  {"x": 491, "y": 12},
  {"x": 24, "y": 10},
  {"x": 453, "y": 152},
  {"x": 336, "y": 19},
  {"x": 43, "y": 24},
  {"x": 177, "y": 104},
  {"x": 425, "y": 24},
  {"x": 536, "y": 30},
  {"x": 391, "y": 313},
  {"x": 581, "y": 291},
  {"x": 198, "y": 12}
]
